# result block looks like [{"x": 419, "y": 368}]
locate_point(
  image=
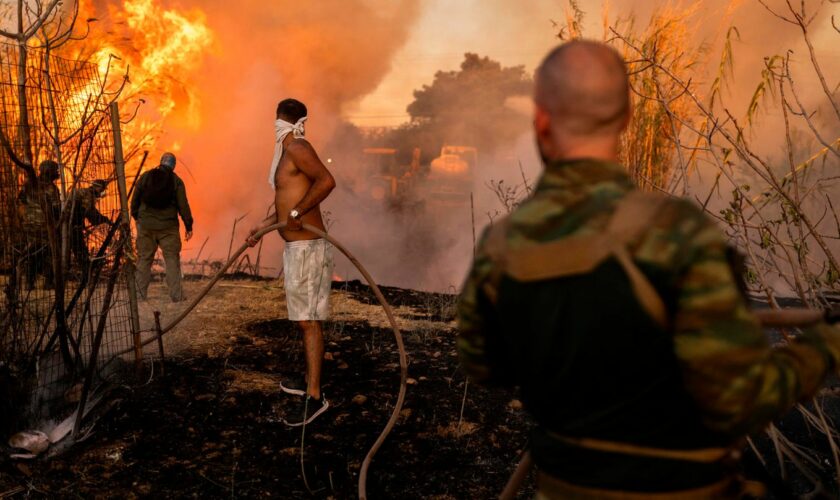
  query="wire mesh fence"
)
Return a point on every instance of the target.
[{"x": 60, "y": 210}]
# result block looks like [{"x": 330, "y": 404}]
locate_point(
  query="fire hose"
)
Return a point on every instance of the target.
[{"x": 376, "y": 291}]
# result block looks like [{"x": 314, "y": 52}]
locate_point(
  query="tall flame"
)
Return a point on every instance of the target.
[
  {"x": 160, "y": 51},
  {"x": 212, "y": 72}
]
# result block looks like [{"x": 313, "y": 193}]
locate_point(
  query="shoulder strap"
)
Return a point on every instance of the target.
[
  {"x": 632, "y": 216},
  {"x": 566, "y": 257},
  {"x": 582, "y": 254},
  {"x": 496, "y": 248},
  {"x": 646, "y": 294}
]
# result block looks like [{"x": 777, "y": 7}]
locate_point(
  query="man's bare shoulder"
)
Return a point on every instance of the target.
[
  {"x": 306, "y": 159},
  {"x": 299, "y": 148}
]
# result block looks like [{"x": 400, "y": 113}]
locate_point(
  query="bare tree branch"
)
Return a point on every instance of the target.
[
  {"x": 776, "y": 14},
  {"x": 6, "y": 34},
  {"x": 42, "y": 18},
  {"x": 789, "y": 77},
  {"x": 742, "y": 149},
  {"x": 803, "y": 26}
]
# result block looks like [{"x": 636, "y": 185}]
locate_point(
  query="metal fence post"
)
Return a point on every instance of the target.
[{"x": 130, "y": 268}]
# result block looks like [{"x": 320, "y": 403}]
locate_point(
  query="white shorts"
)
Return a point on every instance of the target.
[{"x": 308, "y": 266}]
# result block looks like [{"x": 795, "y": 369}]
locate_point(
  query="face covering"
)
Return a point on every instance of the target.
[{"x": 283, "y": 128}]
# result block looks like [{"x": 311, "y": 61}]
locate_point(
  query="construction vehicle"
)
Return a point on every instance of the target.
[
  {"x": 383, "y": 180},
  {"x": 447, "y": 181},
  {"x": 451, "y": 175}
]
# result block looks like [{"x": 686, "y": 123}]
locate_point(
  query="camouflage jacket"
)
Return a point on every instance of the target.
[
  {"x": 737, "y": 381},
  {"x": 32, "y": 199},
  {"x": 84, "y": 208}
]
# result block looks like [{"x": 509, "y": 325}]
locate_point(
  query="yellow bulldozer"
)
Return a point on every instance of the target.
[
  {"x": 384, "y": 180},
  {"x": 447, "y": 181}
]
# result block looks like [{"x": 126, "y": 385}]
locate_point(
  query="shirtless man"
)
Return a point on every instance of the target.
[{"x": 301, "y": 182}]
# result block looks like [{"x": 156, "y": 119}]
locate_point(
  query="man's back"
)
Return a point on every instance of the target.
[
  {"x": 164, "y": 216},
  {"x": 642, "y": 365},
  {"x": 593, "y": 363},
  {"x": 159, "y": 198}
]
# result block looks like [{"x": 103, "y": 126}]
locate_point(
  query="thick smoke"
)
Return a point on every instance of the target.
[
  {"x": 328, "y": 54},
  {"x": 760, "y": 36},
  {"x": 332, "y": 53},
  {"x": 422, "y": 238}
]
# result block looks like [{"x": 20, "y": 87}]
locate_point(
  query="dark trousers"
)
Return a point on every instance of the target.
[
  {"x": 169, "y": 241},
  {"x": 37, "y": 259},
  {"x": 78, "y": 244}
]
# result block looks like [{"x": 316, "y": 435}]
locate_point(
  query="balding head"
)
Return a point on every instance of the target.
[{"x": 583, "y": 86}]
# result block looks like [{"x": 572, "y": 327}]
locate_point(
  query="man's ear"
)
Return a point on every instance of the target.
[
  {"x": 542, "y": 123},
  {"x": 543, "y": 129}
]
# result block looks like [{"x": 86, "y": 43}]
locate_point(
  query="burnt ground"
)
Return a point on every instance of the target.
[{"x": 211, "y": 427}]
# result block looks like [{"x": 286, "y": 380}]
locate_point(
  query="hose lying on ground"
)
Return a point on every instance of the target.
[{"x": 376, "y": 291}]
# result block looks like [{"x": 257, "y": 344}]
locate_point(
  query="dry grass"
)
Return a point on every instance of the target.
[
  {"x": 251, "y": 381},
  {"x": 225, "y": 310},
  {"x": 457, "y": 430},
  {"x": 651, "y": 145},
  {"x": 212, "y": 327}
]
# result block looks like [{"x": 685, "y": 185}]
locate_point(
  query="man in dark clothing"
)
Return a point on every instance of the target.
[
  {"x": 83, "y": 209},
  {"x": 40, "y": 208},
  {"x": 618, "y": 315},
  {"x": 159, "y": 198}
]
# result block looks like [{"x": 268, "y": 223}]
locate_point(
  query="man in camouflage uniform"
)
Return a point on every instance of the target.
[
  {"x": 158, "y": 200},
  {"x": 40, "y": 208},
  {"x": 83, "y": 208},
  {"x": 618, "y": 315}
]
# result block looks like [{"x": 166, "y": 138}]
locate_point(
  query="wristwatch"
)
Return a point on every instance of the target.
[{"x": 294, "y": 214}]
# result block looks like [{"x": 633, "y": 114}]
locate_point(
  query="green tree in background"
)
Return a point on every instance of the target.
[{"x": 467, "y": 107}]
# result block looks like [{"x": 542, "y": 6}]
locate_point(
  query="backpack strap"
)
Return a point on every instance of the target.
[
  {"x": 578, "y": 255},
  {"x": 632, "y": 216},
  {"x": 496, "y": 248}
]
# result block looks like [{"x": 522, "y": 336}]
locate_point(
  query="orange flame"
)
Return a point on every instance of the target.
[{"x": 160, "y": 50}]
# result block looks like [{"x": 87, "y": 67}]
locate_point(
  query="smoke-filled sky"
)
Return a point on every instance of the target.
[
  {"x": 516, "y": 33},
  {"x": 507, "y": 31},
  {"x": 360, "y": 60}
]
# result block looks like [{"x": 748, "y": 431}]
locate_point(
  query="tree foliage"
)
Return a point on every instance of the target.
[{"x": 469, "y": 106}]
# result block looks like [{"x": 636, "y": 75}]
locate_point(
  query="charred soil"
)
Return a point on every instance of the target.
[{"x": 212, "y": 426}]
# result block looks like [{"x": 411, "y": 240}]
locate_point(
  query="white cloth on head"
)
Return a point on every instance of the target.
[{"x": 282, "y": 128}]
